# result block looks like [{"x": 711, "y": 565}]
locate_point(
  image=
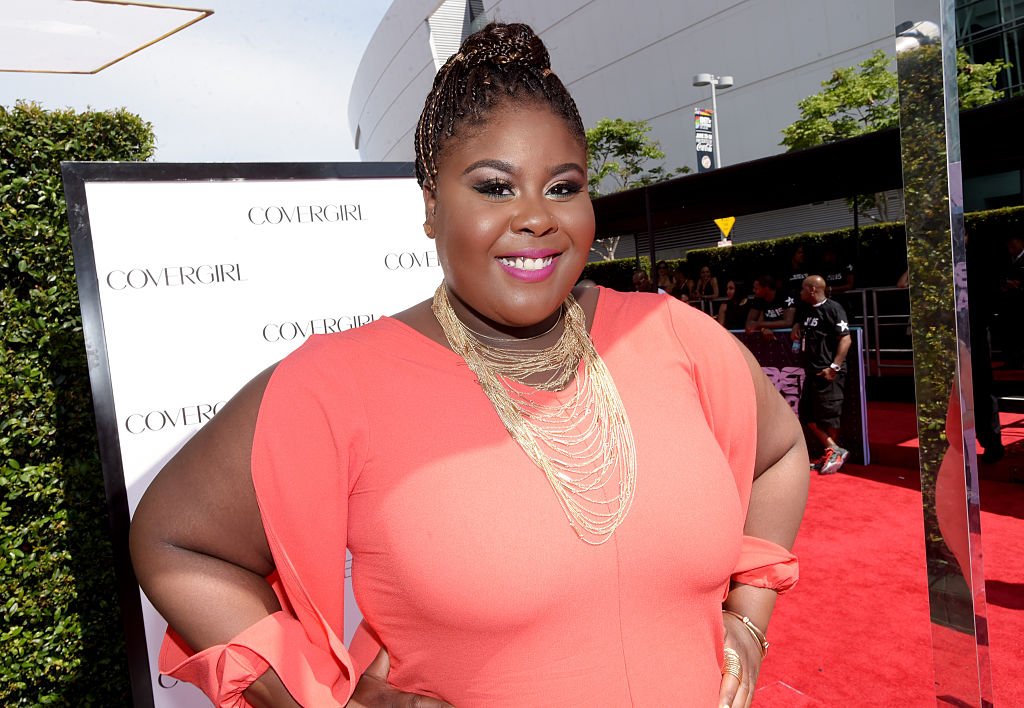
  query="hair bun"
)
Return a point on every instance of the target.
[
  {"x": 500, "y": 63},
  {"x": 505, "y": 44}
]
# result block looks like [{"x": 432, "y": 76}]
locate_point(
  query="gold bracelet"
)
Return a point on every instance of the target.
[{"x": 755, "y": 632}]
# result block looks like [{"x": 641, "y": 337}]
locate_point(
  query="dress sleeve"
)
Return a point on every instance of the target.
[
  {"x": 764, "y": 564},
  {"x": 728, "y": 399},
  {"x": 309, "y": 445},
  {"x": 725, "y": 388},
  {"x": 225, "y": 671}
]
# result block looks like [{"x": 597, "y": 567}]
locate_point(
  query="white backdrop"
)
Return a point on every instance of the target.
[{"x": 192, "y": 285}]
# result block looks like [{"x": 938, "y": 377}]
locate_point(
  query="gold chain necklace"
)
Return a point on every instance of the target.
[{"x": 584, "y": 444}]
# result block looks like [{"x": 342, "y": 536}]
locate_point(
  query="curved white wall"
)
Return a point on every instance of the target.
[
  {"x": 392, "y": 81},
  {"x": 636, "y": 60}
]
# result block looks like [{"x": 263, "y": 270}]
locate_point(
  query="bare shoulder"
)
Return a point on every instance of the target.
[
  {"x": 203, "y": 498},
  {"x": 420, "y": 317},
  {"x": 226, "y": 441},
  {"x": 416, "y": 315}
]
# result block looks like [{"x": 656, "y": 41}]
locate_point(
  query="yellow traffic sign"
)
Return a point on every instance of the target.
[{"x": 725, "y": 225}]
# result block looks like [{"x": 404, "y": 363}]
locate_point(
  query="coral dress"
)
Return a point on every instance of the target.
[{"x": 464, "y": 564}]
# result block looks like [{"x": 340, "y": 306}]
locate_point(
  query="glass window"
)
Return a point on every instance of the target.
[
  {"x": 1013, "y": 11},
  {"x": 1013, "y": 54},
  {"x": 973, "y": 18}
]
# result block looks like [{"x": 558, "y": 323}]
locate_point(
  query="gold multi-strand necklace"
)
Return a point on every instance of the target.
[{"x": 583, "y": 444}]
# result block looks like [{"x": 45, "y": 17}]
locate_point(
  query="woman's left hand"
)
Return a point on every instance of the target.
[{"x": 739, "y": 693}]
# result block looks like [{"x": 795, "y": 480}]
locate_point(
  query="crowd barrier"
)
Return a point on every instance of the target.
[{"x": 883, "y": 314}]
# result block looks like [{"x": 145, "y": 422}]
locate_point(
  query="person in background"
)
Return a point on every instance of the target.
[
  {"x": 797, "y": 272},
  {"x": 983, "y": 294},
  {"x": 838, "y": 275},
  {"x": 1011, "y": 304},
  {"x": 665, "y": 277},
  {"x": 732, "y": 314},
  {"x": 539, "y": 523},
  {"x": 642, "y": 283},
  {"x": 824, "y": 334},
  {"x": 770, "y": 310},
  {"x": 684, "y": 287},
  {"x": 706, "y": 287}
]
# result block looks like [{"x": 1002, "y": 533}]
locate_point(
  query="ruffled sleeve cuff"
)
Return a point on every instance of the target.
[
  {"x": 764, "y": 564},
  {"x": 223, "y": 672}
]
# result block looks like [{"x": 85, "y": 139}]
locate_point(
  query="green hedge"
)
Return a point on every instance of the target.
[
  {"x": 617, "y": 274},
  {"x": 60, "y": 632},
  {"x": 879, "y": 254}
]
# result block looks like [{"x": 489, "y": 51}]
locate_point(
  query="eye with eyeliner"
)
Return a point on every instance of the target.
[
  {"x": 499, "y": 189},
  {"x": 566, "y": 189},
  {"x": 494, "y": 188}
]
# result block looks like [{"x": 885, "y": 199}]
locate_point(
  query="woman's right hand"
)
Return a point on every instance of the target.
[{"x": 373, "y": 690}]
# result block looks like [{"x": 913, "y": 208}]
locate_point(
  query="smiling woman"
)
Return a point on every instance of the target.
[
  {"x": 497, "y": 460},
  {"x": 513, "y": 230}
]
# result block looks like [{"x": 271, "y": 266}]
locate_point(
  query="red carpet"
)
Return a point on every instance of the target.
[{"x": 856, "y": 630}]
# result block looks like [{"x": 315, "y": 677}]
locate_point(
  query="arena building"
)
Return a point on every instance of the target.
[{"x": 637, "y": 61}]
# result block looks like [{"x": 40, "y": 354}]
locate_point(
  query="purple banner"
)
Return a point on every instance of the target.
[{"x": 786, "y": 370}]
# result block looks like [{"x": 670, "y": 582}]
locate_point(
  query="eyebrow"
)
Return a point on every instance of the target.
[
  {"x": 509, "y": 168},
  {"x": 496, "y": 164},
  {"x": 567, "y": 167}
]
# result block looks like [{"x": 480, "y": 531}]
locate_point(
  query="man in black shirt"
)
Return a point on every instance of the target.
[
  {"x": 824, "y": 334},
  {"x": 770, "y": 309}
]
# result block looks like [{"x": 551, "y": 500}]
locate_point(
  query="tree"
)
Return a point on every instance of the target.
[
  {"x": 976, "y": 83},
  {"x": 862, "y": 99},
  {"x": 853, "y": 101},
  {"x": 619, "y": 152}
]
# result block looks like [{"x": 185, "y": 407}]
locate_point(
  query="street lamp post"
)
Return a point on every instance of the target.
[{"x": 715, "y": 82}]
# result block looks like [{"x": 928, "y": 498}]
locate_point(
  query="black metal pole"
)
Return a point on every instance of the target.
[{"x": 651, "y": 252}]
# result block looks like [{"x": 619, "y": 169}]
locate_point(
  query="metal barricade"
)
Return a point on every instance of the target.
[
  {"x": 890, "y": 331},
  {"x": 883, "y": 314}
]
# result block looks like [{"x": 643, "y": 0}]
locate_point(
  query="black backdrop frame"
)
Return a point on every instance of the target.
[{"x": 76, "y": 176}]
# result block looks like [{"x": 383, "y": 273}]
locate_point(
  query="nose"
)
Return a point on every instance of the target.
[{"x": 533, "y": 217}]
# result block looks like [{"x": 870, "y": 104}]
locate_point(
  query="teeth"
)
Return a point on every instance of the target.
[{"x": 527, "y": 263}]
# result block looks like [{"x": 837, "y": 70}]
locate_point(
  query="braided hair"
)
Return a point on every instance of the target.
[{"x": 499, "y": 64}]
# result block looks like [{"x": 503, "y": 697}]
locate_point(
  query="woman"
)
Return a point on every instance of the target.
[
  {"x": 684, "y": 287},
  {"x": 520, "y": 532},
  {"x": 667, "y": 279},
  {"x": 732, "y": 314},
  {"x": 706, "y": 287}
]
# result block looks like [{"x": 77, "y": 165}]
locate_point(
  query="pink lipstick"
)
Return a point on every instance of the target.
[{"x": 530, "y": 265}]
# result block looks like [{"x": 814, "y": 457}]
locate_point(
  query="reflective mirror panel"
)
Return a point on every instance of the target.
[{"x": 937, "y": 265}]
